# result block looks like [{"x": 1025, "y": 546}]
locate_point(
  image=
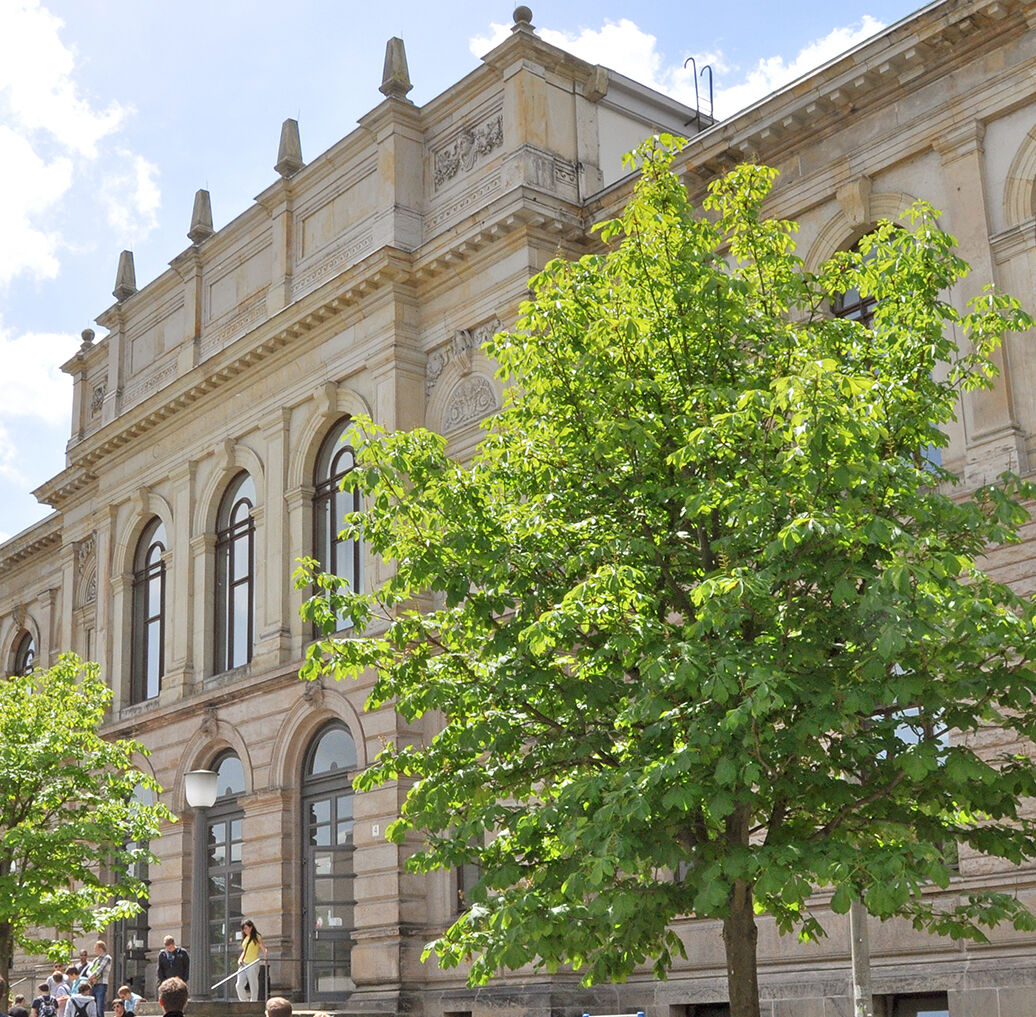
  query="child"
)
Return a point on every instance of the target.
[
  {"x": 44, "y": 1005},
  {"x": 129, "y": 998}
]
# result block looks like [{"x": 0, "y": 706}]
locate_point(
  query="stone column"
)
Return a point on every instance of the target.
[
  {"x": 994, "y": 440},
  {"x": 299, "y": 530},
  {"x": 396, "y": 128},
  {"x": 188, "y": 265},
  {"x": 180, "y": 600},
  {"x": 278, "y": 202},
  {"x": 58, "y": 634},
  {"x": 114, "y": 344},
  {"x": 121, "y": 650},
  {"x": 270, "y": 826},
  {"x": 272, "y": 627},
  {"x": 203, "y": 554},
  {"x": 48, "y": 650}
]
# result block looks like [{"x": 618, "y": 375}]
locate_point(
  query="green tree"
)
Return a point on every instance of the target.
[
  {"x": 701, "y": 610},
  {"x": 73, "y": 824}
]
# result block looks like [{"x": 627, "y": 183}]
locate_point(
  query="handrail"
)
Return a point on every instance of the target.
[{"x": 233, "y": 974}]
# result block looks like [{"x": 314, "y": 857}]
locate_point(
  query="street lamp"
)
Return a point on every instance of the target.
[{"x": 200, "y": 788}]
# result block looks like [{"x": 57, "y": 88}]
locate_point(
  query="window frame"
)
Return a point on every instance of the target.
[
  {"x": 26, "y": 652},
  {"x": 234, "y": 521},
  {"x": 148, "y": 569},
  {"x": 335, "y": 460}
]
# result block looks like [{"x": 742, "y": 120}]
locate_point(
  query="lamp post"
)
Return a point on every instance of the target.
[{"x": 200, "y": 790}]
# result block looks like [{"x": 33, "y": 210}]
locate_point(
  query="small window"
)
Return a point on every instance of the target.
[
  {"x": 335, "y": 461},
  {"x": 24, "y": 654},
  {"x": 932, "y": 1004},
  {"x": 468, "y": 875},
  {"x": 148, "y": 613},
  {"x": 235, "y": 575},
  {"x": 230, "y": 776}
]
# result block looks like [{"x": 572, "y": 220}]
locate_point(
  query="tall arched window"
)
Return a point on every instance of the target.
[
  {"x": 329, "y": 898},
  {"x": 853, "y": 306},
  {"x": 224, "y": 847},
  {"x": 148, "y": 613},
  {"x": 336, "y": 459},
  {"x": 24, "y": 654},
  {"x": 235, "y": 574}
]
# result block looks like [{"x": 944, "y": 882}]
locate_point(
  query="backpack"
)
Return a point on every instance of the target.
[
  {"x": 48, "y": 1007},
  {"x": 80, "y": 1008}
]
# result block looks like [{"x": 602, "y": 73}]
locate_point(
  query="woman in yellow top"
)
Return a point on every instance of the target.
[{"x": 248, "y": 977}]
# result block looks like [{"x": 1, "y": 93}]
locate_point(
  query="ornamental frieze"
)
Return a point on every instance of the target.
[{"x": 471, "y": 144}]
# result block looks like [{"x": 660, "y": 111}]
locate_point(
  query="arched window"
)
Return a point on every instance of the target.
[
  {"x": 336, "y": 459},
  {"x": 235, "y": 574},
  {"x": 24, "y": 654},
  {"x": 148, "y": 613},
  {"x": 853, "y": 306},
  {"x": 329, "y": 898},
  {"x": 224, "y": 854}
]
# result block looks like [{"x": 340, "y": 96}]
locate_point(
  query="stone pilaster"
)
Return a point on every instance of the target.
[
  {"x": 271, "y": 622},
  {"x": 994, "y": 440}
]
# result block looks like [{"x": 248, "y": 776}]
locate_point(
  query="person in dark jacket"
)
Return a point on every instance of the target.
[{"x": 173, "y": 962}]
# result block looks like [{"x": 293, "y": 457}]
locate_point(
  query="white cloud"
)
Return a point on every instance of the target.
[
  {"x": 131, "y": 196},
  {"x": 52, "y": 140},
  {"x": 36, "y": 78},
  {"x": 775, "y": 72},
  {"x": 32, "y": 385},
  {"x": 32, "y": 187},
  {"x": 626, "y": 48}
]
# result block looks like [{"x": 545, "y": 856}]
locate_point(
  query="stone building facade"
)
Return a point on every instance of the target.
[{"x": 206, "y": 431}]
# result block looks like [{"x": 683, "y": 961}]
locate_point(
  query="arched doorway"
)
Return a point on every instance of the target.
[
  {"x": 224, "y": 864},
  {"x": 328, "y": 902}
]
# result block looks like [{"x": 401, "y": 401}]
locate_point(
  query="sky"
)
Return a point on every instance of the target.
[{"x": 114, "y": 112}]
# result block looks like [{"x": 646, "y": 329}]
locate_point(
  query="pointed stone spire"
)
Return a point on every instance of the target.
[
  {"x": 289, "y": 152},
  {"x": 395, "y": 79},
  {"x": 201, "y": 218},
  {"x": 522, "y": 20},
  {"x": 125, "y": 277}
]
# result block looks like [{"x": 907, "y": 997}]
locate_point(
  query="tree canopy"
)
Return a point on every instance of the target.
[
  {"x": 704, "y": 615},
  {"x": 76, "y": 814}
]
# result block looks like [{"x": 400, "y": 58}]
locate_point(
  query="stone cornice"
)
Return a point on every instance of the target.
[
  {"x": 45, "y": 535},
  {"x": 333, "y": 298},
  {"x": 867, "y": 79}
]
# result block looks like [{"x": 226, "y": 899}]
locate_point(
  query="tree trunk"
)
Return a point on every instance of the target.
[
  {"x": 6, "y": 956},
  {"x": 740, "y": 936}
]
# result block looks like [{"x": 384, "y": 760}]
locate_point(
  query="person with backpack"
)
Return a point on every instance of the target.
[
  {"x": 44, "y": 1005},
  {"x": 81, "y": 1003}
]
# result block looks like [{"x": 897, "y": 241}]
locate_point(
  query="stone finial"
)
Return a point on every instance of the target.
[
  {"x": 522, "y": 19},
  {"x": 87, "y": 335},
  {"x": 395, "y": 79},
  {"x": 289, "y": 152},
  {"x": 201, "y": 218},
  {"x": 125, "y": 277}
]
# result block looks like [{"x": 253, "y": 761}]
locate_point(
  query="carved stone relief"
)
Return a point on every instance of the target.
[
  {"x": 460, "y": 349},
  {"x": 472, "y": 398},
  {"x": 465, "y": 151},
  {"x": 97, "y": 399},
  {"x": 86, "y": 571}
]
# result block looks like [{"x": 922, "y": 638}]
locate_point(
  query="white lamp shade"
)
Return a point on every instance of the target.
[{"x": 200, "y": 788}]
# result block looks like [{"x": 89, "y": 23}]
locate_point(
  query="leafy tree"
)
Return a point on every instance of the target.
[
  {"x": 73, "y": 826},
  {"x": 702, "y": 609}
]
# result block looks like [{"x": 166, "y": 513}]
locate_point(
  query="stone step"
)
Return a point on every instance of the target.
[{"x": 223, "y": 1008}]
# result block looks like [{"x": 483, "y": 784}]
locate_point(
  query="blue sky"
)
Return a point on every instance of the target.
[{"x": 113, "y": 112}]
